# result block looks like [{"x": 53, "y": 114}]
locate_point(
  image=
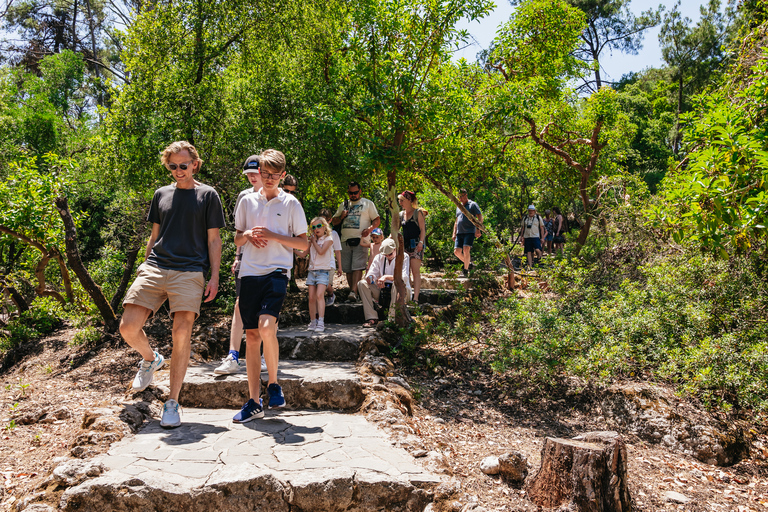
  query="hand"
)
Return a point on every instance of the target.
[
  {"x": 454, "y": 237},
  {"x": 211, "y": 289},
  {"x": 478, "y": 233},
  {"x": 255, "y": 236},
  {"x": 339, "y": 273},
  {"x": 381, "y": 282},
  {"x": 366, "y": 232},
  {"x": 234, "y": 265}
]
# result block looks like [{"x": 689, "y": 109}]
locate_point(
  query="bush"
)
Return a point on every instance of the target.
[
  {"x": 86, "y": 336},
  {"x": 43, "y": 316}
]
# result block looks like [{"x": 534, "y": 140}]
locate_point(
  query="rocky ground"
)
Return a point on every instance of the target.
[{"x": 456, "y": 415}]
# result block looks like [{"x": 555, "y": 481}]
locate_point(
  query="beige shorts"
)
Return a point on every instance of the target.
[{"x": 184, "y": 290}]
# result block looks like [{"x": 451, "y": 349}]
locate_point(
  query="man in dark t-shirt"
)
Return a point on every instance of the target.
[
  {"x": 464, "y": 232},
  {"x": 184, "y": 245}
]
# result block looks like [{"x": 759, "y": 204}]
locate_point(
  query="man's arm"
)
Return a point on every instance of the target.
[
  {"x": 152, "y": 239},
  {"x": 480, "y": 220},
  {"x": 214, "y": 257},
  {"x": 367, "y": 231},
  {"x": 455, "y": 225}
]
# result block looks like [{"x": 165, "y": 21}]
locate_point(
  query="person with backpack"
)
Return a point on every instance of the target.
[
  {"x": 560, "y": 230},
  {"x": 534, "y": 233}
]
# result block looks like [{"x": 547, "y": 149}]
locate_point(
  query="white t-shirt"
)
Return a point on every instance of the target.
[
  {"x": 321, "y": 261},
  {"x": 336, "y": 247},
  {"x": 240, "y": 196},
  {"x": 282, "y": 215},
  {"x": 361, "y": 215}
]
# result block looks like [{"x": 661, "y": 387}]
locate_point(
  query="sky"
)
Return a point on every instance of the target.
[{"x": 615, "y": 66}]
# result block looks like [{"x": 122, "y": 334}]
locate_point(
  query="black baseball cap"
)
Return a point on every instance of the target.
[{"x": 251, "y": 164}]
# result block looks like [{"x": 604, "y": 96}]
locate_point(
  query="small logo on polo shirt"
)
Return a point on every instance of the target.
[{"x": 279, "y": 215}]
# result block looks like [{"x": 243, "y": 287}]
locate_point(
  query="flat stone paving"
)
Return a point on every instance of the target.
[{"x": 292, "y": 450}]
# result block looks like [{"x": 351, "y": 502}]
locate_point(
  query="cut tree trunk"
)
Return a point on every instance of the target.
[{"x": 586, "y": 474}]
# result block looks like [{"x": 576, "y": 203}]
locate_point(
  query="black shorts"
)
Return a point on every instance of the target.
[
  {"x": 237, "y": 284},
  {"x": 261, "y": 295}
]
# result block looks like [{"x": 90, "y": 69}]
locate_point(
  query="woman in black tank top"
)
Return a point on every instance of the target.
[{"x": 414, "y": 231}]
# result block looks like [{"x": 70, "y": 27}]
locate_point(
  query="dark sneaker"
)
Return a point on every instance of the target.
[
  {"x": 250, "y": 411},
  {"x": 465, "y": 272},
  {"x": 276, "y": 398}
]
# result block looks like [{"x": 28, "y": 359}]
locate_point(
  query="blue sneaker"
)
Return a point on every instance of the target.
[
  {"x": 275, "y": 393},
  {"x": 250, "y": 411}
]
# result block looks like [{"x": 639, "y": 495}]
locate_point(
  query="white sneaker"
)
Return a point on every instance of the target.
[
  {"x": 320, "y": 325},
  {"x": 146, "y": 370},
  {"x": 171, "y": 416},
  {"x": 263, "y": 364},
  {"x": 228, "y": 365},
  {"x": 312, "y": 325},
  {"x": 330, "y": 300}
]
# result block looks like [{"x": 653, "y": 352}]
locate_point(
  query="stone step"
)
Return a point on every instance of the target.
[
  {"x": 290, "y": 460},
  {"x": 437, "y": 297},
  {"x": 306, "y": 385},
  {"x": 336, "y": 343},
  {"x": 352, "y": 313}
]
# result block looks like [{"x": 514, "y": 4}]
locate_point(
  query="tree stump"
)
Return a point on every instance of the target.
[{"x": 586, "y": 474}]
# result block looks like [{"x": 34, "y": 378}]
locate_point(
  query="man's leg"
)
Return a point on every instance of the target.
[
  {"x": 253, "y": 363},
  {"x": 236, "y": 332},
  {"x": 368, "y": 293},
  {"x": 357, "y": 275},
  {"x": 132, "y": 329},
  {"x": 268, "y": 331},
  {"x": 459, "y": 253},
  {"x": 182, "y": 332},
  {"x": 466, "y": 259}
]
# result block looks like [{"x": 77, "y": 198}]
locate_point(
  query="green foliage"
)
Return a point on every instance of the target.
[
  {"x": 719, "y": 201},
  {"x": 43, "y": 316},
  {"x": 86, "y": 336},
  {"x": 683, "y": 321}
]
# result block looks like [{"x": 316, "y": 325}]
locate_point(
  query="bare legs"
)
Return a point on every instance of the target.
[
  {"x": 266, "y": 334},
  {"x": 132, "y": 330},
  {"x": 463, "y": 254},
  {"x": 352, "y": 278},
  {"x": 236, "y": 332},
  {"x": 415, "y": 265},
  {"x": 316, "y": 301}
]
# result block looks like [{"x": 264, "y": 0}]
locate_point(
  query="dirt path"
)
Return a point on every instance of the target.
[{"x": 459, "y": 419}]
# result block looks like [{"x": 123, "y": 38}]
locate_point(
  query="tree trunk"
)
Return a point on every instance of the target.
[
  {"x": 585, "y": 474},
  {"x": 117, "y": 298},
  {"x": 398, "y": 309},
  {"x": 64, "y": 275},
  {"x": 73, "y": 256},
  {"x": 41, "y": 289},
  {"x": 16, "y": 297},
  {"x": 676, "y": 142}
]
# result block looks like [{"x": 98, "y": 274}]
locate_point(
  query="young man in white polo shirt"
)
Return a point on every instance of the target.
[{"x": 270, "y": 224}]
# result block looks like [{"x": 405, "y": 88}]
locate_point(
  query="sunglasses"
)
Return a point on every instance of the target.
[
  {"x": 351, "y": 193},
  {"x": 317, "y": 227},
  {"x": 270, "y": 176},
  {"x": 289, "y": 191},
  {"x": 183, "y": 166}
]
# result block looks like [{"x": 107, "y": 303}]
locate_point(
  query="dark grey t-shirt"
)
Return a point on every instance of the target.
[
  {"x": 464, "y": 224},
  {"x": 185, "y": 216}
]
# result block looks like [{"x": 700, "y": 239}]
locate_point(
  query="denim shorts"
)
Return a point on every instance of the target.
[
  {"x": 316, "y": 277},
  {"x": 464, "y": 239}
]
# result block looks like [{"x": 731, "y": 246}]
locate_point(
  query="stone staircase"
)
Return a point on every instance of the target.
[{"x": 316, "y": 455}]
